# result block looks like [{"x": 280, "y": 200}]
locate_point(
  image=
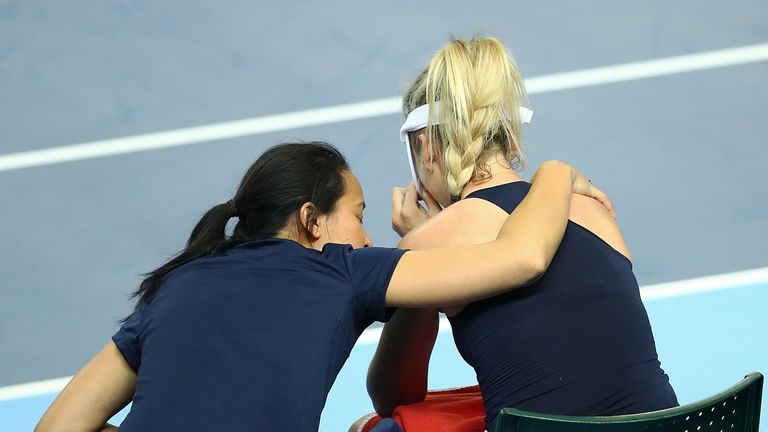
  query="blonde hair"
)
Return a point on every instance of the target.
[{"x": 480, "y": 92}]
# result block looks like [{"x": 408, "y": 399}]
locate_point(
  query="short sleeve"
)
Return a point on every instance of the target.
[
  {"x": 128, "y": 341},
  {"x": 370, "y": 270}
]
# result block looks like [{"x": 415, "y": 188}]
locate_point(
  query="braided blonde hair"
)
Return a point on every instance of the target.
[{"x": 480, "y": 92}]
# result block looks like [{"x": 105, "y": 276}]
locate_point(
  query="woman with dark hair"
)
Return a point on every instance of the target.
[{"x": 248, "y": 331}]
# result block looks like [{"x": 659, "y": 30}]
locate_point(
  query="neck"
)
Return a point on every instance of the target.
[
  {"x": 293, "y": 234},
  {"x": 495, "y": 171}
]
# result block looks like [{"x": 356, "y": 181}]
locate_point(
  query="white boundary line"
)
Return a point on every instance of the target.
[
  {"x": 373, "y": 108},
  {"x": 704, "y": 284},
  {"x": 36, "y": 388},
  {"x": 648, "y": 293}
]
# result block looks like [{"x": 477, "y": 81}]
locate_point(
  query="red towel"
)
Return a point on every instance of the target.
[{"x": 454, "y": 410}]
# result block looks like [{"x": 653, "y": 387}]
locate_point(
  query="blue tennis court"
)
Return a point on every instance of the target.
[
  {"x": 120, "y": 122},
  {"x": 708, "y": 335}
]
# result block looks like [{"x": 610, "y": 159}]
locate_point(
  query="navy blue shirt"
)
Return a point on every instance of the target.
[
  {"x": 576, "y": 342},
  {"x": 251, "y": 339}
]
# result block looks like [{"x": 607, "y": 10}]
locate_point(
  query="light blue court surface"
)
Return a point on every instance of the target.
[{"x": 706, "y": 342}]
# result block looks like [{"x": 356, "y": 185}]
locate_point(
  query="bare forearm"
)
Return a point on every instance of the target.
[
  {"x": 398, "y": 371},
  {"x": 96, "y": 393}
]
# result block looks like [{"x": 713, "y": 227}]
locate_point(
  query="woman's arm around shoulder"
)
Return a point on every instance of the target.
[{"x": 521, "y": 253}]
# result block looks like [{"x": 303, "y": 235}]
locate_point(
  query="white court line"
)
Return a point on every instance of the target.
[
  {"x": 36, "y": 388},
  {"x": 648, "y": 293},
  {"x": 373, "y": 108},
  {"x": 704, "y": 284}
]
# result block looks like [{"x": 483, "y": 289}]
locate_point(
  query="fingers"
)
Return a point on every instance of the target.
[
  {"x": 407, "y": 213},
  {"x": 582, "y": 185},
  {"x": 433, "y": 207},
  {"x": 398, "y": 195},
  {"x": 601, "y": 197},
  {"x": 411, "y": 199}
]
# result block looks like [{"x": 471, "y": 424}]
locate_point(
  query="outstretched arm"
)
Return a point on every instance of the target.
[{"x": 102, "y": 388}]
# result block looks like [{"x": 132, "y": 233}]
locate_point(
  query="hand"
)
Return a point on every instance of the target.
[
  {"x": 407, "y": 214},
  {"x": 583, "y": 186}
]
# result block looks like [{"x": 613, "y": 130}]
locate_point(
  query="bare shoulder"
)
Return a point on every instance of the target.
[
  {"x": 468, "y": 221},
  {"x": 591, "y": 215}
]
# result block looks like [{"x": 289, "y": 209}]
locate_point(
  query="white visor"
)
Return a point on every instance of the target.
[{"x": 419, "y": 119}]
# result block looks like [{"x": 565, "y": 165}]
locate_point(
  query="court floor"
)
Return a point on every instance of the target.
[
  {"x": 709, "y": 331},
  {"x": 121, "y": 122}
]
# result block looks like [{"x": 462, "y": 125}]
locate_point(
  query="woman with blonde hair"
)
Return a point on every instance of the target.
[{"x": 576, "y": 341}]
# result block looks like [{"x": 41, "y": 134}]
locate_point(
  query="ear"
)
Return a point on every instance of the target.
[
  {"x": 427, "y": 151},
  {"x": 308, "y": 221}
]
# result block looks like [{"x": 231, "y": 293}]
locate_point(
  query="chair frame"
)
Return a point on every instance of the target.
[{"x": 751, "y": 387}]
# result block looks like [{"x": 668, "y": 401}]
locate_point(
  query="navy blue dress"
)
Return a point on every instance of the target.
[
  {"x": 252, "y": 339},
  {"x": 576, "y": 342}
]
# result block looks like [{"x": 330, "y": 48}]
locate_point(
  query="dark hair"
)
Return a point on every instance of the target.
[{"x": 270, "y": 195}]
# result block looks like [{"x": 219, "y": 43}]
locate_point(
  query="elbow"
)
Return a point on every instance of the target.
[
  {"x": 384, "y": 410},
  {"x": 536, "y": 266},
  {"x": 381, "y": 403},
  {"x": 385, "y": 397}
]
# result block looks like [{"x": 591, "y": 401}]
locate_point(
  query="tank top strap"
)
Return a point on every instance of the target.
[{"x": 506, "y": 196}]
